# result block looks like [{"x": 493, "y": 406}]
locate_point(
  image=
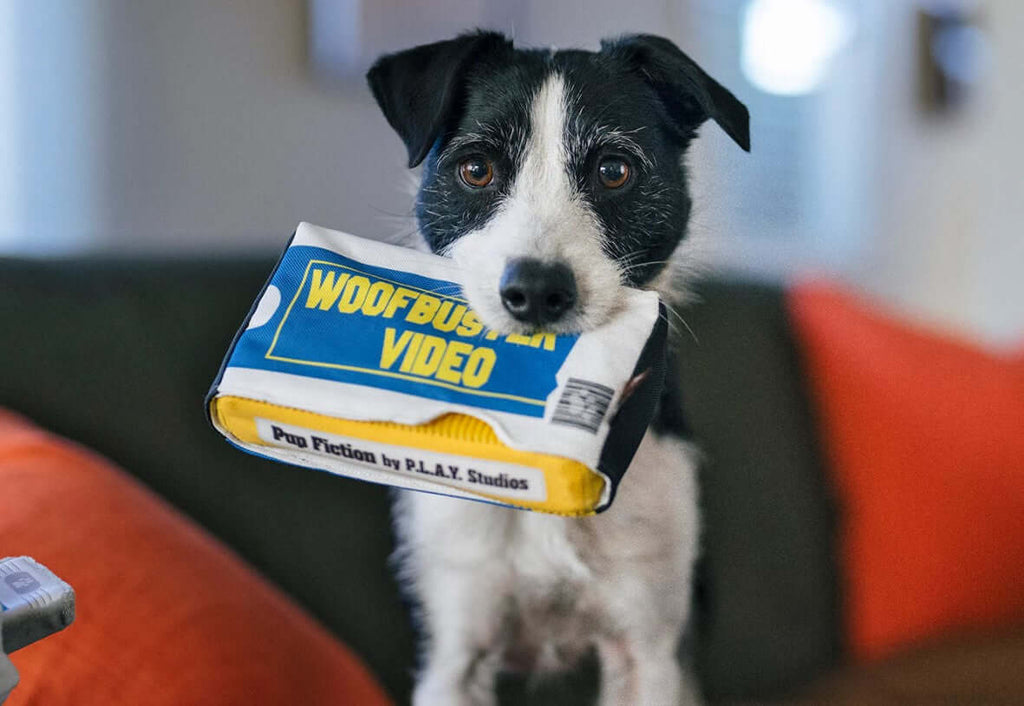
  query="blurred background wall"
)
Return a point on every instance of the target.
[{"x": 214, "y": 126}]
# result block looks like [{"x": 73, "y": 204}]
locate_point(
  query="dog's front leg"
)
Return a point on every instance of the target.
[
  {"x": 457, "y": 674},
  {"x": 659, "y": 678},
  {"x": 461, "y": 661},
  {"x": 450, "y": 554},
  {"x": 647, "y": 543},
  {"x": 618, "y": 677},
  {"x": 463, "y": 613},
  {"x": 644, "y": 674}
]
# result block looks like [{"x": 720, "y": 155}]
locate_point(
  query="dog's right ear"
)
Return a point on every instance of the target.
[{"x": 417, "y": 89}]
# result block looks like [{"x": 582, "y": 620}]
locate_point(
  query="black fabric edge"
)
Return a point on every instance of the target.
[{"x": 634, "y": 415}]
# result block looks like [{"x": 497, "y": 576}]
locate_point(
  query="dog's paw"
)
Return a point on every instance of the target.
[{"x": 446, "y": 695}]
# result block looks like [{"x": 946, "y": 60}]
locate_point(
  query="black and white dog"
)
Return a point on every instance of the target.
[{"x": 556, "y": 179}]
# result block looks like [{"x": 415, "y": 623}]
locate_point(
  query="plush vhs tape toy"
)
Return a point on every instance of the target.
[{"x": 363, "y": 359}]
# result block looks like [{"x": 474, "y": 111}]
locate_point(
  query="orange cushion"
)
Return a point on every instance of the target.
[
  {"x": 166, "y": 615},
  {"x": 925, "y": 439}
]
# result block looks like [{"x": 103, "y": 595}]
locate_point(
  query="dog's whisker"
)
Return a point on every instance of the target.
[
  {"x": 648, "y": 263},
  {"x": 673, "y": 329},
  {"x": 405, "y": 215},
  {"x": 671, "y": 310}
]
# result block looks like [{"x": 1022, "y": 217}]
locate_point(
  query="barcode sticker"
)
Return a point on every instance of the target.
[{"x": 583, "y": 404}]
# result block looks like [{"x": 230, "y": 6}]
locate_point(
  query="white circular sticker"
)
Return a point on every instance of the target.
[{"x": 265, "y": 309}]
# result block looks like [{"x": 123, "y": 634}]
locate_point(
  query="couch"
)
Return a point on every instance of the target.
[{"x": 118, "y": 354}]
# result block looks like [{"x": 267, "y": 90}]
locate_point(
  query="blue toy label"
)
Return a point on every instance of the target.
[{"x": 342, "y": 320}]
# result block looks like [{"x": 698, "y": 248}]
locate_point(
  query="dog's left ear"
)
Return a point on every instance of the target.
[
  {"x": 689, "y": 94},
  {"x": 419, "y": 88}
]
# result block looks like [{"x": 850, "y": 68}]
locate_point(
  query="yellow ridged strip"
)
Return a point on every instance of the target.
[{"x": 572, "y": 488}]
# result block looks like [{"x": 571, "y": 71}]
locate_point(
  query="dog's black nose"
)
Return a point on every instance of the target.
[{"x": 537, "y": 292}]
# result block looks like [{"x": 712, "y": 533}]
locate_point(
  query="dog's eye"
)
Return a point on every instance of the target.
[
  {"x": 613, "y": 172},
  {"x": 476, "y": 172}
]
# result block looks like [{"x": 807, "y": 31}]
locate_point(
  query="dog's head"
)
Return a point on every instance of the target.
[{"x": 555, "y": 178}]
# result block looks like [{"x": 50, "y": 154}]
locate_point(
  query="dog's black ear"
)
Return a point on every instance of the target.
[
  {"x": 689, "y": 94},
  {"x": 417, "y": 89}
]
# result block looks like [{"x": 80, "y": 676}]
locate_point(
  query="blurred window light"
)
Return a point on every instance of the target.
[{"x": 788, "y": 45}]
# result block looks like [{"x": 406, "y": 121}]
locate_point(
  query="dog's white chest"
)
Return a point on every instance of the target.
[
  {"x": 544, "y": 558},
  {"x": 526, "y": 546},
  {"x": 530, "y": 556}
]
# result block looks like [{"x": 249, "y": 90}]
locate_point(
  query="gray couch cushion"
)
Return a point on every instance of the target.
[{"x": 767, "y": 606}]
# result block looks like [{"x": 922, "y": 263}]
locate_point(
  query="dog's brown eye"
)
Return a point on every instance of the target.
[
  {"x": 476, "y": 172},
  {"x": 613, "y": 172}
]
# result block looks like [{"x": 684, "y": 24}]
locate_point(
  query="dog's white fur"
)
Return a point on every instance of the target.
[
  {"x": 493, "y": 580},
  {"x": 544, "y": 218}
]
